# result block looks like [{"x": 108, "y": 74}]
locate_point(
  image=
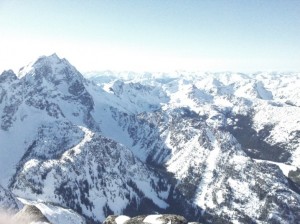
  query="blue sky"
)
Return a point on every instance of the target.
[{"x": 153, "y": 35}]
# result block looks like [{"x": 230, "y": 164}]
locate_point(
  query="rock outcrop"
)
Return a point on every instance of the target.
[{"x": 148, "y": 219}]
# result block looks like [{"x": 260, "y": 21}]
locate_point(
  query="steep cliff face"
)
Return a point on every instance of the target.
[{"x": 211, "y": 147}]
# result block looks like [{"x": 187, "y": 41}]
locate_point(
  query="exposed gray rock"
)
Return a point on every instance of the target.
[
  {"x": 148, "y": 219},
  {"x": 136, "y": 220},
  {"x": 111, "y": 219}
]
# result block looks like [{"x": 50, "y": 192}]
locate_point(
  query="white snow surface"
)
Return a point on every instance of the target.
[
  {"x": 207, "y": 176},
  {"x": 153, "y": 219},
  {"x": 56, "y": 214},
  {"x": 121, "y": 219}
]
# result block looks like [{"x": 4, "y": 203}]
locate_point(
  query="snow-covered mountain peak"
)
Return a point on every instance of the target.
[
  {"x": 53, "y": 58},
  {"x": 7, "y": 76},
  {"x": 55, "y": 76},
  {"x": 52, "y": 68}
]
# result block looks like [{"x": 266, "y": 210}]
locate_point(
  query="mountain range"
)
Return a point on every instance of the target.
[{"x": 212, "y": 147}]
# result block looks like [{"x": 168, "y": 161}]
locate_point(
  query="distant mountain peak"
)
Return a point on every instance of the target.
[
  {"x": 54, "y": 55},
  {"x": 50, "y": 67},
  {"x": 7, "y": 76},
  {"x": 50, "y": 60},
  {"x": 53, "y": 59}
]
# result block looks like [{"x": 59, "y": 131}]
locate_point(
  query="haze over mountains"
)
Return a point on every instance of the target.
[{"x": 213, "y": 147}]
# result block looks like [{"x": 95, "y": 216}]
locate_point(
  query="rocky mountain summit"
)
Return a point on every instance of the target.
[
  {"x": 150, "y": 219},
  {"x": 211, "y": 147}
]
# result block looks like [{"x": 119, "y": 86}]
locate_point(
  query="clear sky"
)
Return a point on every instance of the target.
[{"x": 153, "y": 35}]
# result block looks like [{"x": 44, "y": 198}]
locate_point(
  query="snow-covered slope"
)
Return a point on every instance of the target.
[
  {"x": 95, "y": 176},
  {"x": 227, "y": 138},
  {"x": 51, "y": 213},
  {"x": 8, "y": 203},
  {"x": 214, "y": 147}
]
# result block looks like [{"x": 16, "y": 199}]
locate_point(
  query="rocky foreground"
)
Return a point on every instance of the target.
[
  {"x": 31, "y": 214},
  {"x": 150, "y": 219}
]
